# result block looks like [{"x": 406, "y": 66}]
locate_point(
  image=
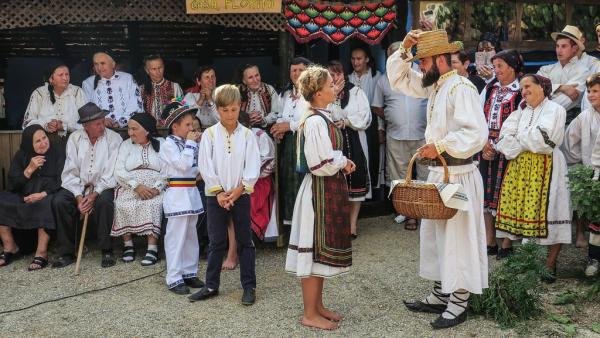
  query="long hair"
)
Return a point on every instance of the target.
[{"x": 48, "y": 74}]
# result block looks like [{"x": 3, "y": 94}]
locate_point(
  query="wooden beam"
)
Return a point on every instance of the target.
[
  {"x": 55, "y": 36},
  {"x": 133, "y": 42}
]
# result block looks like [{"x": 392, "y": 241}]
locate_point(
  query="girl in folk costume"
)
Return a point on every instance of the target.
[
  {"x": 259, "y": 100},
  {"x": 181, "y": 202},
  {"x": 582, "y": 145},
  {"x": 293, "y": 108},
  {"x": 500, "y": 98},
  {"x": 156, "y": 89},
  {"x": 201, "y": 96},
  {"x": 320, "y": 243},
  {"x": 353, "y": 116},
  {"x": 139, "y": 198},
  {"x": 534, "y": 199}
]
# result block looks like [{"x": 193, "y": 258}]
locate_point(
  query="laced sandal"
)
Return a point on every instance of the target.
[
  {"x": 9, "y": 257},
  {"x": 443, "y": 323},
  {"x": 150, "y": 258},
  {"x": 128, "y": 254}
]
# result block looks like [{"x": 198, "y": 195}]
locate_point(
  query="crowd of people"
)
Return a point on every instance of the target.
[{"x": 334, "y": 139}]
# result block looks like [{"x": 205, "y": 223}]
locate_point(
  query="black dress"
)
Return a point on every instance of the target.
[{"x": 14, "y": 212}]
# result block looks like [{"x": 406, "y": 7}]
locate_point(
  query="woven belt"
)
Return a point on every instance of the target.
[
  {"x": 182, "y": 182},
  {"x": 450, "y": 161}
]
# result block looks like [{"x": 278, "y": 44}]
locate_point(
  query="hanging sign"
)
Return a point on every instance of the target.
[{"x": 232, "y": 6}]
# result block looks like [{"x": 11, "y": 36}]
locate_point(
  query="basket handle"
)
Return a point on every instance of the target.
[{"x": 412, "y": 163}]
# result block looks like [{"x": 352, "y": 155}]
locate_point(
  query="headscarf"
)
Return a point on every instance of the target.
[
  {"x": 148, "y": 122},
  {"x": 27, "y": 141},
  {"x": 55, "y": 158},
  {"x": 512, "y": 58},
  {"x": 544, "y": 82}
]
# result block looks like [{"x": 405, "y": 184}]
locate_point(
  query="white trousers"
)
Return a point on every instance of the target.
[{"x": 182, "y": 249}]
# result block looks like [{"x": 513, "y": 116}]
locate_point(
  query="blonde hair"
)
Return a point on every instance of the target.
[
  {"x": 226, "y": 95},
  {"x": 311, "y": 81}
]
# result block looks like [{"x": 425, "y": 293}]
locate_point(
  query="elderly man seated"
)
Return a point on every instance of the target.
[
  {"x": 88, "y": 185},
  {"x": 112, "y": 90}
]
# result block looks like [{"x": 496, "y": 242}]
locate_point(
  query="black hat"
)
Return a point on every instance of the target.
[
  {"x": 174, "y": 110},
  {"x": 90, "y": 112}
]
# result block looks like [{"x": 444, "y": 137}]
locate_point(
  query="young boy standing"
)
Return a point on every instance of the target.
[
  {"x": 230, "y": 166},
  {"x": 181, "y": 203}
]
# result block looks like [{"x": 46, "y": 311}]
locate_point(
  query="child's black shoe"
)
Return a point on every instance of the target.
[
  {"x": 203, "y": 294},
  {"x": 180, "y": 289}
]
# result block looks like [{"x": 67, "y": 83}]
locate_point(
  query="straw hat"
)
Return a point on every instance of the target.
[
  {"x": 433, "y": 43},
  {"x": 570, "y": 32}
]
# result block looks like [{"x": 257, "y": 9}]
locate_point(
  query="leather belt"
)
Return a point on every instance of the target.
[{"x": 450, "y": 161}]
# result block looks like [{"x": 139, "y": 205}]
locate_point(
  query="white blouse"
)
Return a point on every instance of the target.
[
  {"x": 357, "y": 113},
  {"x": 87, "y": 163},
  {"x": 255, "y": 104},
  {"x": 366, "y": 82},
  {"x": 134, "y": 156},
  {"x": 294, "y": 106},
  {"x": 207, "y": 112},
  {"x": 321, "y": 159},
  {"x": 266, "y": 148},
  {"x": 226, "y": 161},
  {"x": 538, "y": 130},
  {"x": 581, "y": 136},
  {"x": 119, "y": 95},
  {"x": 572, "y": 73},
  {"x": 455, "y": 119},
  {"x": 41, "y": 110}
]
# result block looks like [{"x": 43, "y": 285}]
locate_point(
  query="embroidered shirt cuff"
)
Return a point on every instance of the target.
[
  {"x": 191, "y": 144},
  {"x": 440, "y": 147},
  {"x": 133, "y": 184},
  {"x": 248, "y": 189},
  {"x": 215, "y": 189}
]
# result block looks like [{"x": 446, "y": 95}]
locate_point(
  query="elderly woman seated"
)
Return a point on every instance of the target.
[
  {"x": 138, "y": 198},
  {"x": 33, "y": 178}
]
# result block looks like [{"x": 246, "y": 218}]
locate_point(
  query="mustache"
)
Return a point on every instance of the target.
[{"x": 431, "y": 76}]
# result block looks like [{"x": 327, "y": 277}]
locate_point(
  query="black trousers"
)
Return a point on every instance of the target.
[
  {"x": 217, "y": 234},
  {"x": 65, "y": 210},
  {"x": 594, "y": 252}
]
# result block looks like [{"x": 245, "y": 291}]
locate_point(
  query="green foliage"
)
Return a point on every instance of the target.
[
  {"x": 446, "y": 17},
  {"x": 490, "y": 17},
  {"x": 567, "y": 297},
  {"x": 588, "y": 16},
  {"x": 596, "y": 327},
  {"x": 558, "y": 318},
  {"x": 585, "y": 192},
  {"x": 514, "y": 292},
  {"x": 539, "y": 20}
]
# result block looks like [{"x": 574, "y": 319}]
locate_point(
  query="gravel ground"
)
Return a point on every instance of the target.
[{"x": 385, "y": 272}]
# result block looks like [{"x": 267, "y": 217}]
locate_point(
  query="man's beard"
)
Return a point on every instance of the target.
[{"x": 431, "y": 77}]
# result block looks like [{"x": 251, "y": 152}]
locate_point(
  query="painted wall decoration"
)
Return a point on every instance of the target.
[{"x": 336, "y": 22}]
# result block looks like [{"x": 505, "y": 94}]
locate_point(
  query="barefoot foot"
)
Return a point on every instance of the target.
[
  {"x": 581, "y": 242},
  {"x": 319, "y": 323},
  {"x": 334, "y": 317}
]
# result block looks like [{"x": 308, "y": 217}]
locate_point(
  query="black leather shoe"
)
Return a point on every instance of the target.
[
  {"x": 203, "y": 294},
  {"x": 492, "y": 250},
  {"x": 443, "y": 323},
  {"x": 503, "y": 253},
  {"x": 180, "y": 289},
  {"x": 194, "y": 282},
  {"x": 249, "y": 297},
  {"x": 419, "y": 306},
  {"x": 108, "y": 259}
]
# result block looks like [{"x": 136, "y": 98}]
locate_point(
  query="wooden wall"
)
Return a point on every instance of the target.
[{"x": 9, "y": 144}]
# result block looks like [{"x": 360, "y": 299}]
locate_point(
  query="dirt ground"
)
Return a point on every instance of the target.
[{"x": 385, "y": 272}]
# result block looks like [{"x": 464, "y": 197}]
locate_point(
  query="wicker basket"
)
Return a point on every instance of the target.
[{"x": 421, "y": 200}]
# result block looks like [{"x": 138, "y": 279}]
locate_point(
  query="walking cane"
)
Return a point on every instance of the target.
[{"x": 86, "y": 191}]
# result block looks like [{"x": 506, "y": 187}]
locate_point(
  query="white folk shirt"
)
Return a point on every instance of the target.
[
  {"x": 207, "y": 112},
  {"x": 228, "y": 160},
  {"x": 179, "y": 159},
  {"x": 88, "y": 163},
  {"x": 119, "y": 95},
  {"x": 573, "y": 73},
  {"x": 366, "y": 82},
  {"x": 455, "y": 119},
  {"x": 41, "y": 110},
  {"x": 134, "y": 156},
  {"x": 294, "y": 107},
  {"x": 594, "y": 67},
  {"x": 266, "y": 148},
  {"x": 581, "y": 136}
]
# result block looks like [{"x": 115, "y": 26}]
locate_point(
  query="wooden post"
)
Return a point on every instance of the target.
[{"x": 286, "y": 53}]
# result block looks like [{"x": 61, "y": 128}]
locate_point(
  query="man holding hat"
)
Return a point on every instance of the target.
[
  {"x": 568, "y": 74},
  {"x": 453, "y": 252},
  {"x": 112, "y": 90},
  {"x": 90, "y": 161}
]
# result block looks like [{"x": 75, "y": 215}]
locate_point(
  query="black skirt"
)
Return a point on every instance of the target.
[
  {"x": 17, "y": 214},
  {"x": 358, "y": 183}
]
